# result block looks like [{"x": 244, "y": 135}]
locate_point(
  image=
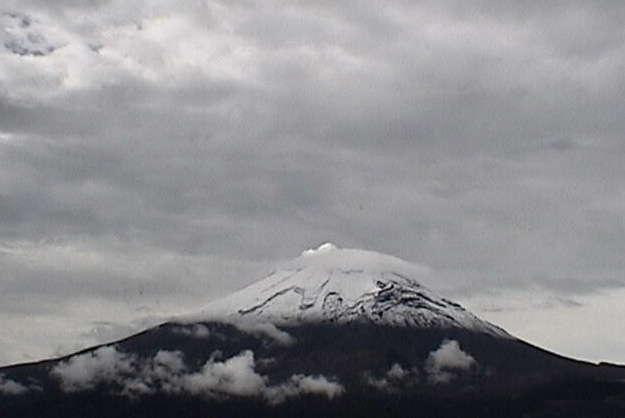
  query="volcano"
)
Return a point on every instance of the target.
[
  {"x": 333, "y": 333},
  {"x": 343, "y": 286}
]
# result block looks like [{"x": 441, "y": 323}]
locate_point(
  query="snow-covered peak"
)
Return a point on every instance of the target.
[{"x": 331, "y": 284}]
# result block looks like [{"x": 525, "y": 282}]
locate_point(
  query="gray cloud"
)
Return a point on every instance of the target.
[
  {"x": 102, "y": 332},
  {"x": 300, "y": 385},
  {"x": 394, "y": 378},
  {"x": 258, "y": 328},
  {"x": 11, "y": 387},
  {"x": 167, "y": 155},
  {"x": 196, "y": 331}
]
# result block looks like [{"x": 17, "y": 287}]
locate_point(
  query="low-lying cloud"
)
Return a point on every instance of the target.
[
  {"x": 234, "y": 376},
  {"x": 253, "y": 327},
  {"x": 301, "y": 385},
  {"x": 267, "y": 329},
  {"x": 395, "y": 377},
  {"x": 446, "y": 362},
  {"x": 11, "y": 387},
  {"x": 86, "y": 371},
  {"x": 167, "y": 372},
  {"x": 200, "y": 331}
]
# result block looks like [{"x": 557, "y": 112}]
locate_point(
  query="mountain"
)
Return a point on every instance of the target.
[
  {"x": 333, "y": 333},
  {"x": 332, "y": 285}
]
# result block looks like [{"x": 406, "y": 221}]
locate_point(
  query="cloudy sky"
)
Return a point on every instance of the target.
[{"x": 156, "y": 155}]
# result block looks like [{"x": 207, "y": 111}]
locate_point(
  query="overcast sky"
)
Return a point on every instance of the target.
[{"x": 156, "y": 155}]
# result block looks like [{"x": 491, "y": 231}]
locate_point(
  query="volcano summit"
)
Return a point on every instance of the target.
[
  {"x": 332, "y": 285},
  {"x": 334, "y": 333}
]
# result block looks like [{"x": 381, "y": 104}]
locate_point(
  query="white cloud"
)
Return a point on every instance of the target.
[
  {"x": 303, "y": 385},
  {"x": 167, "y": 372},
  {"x": 443, "y": 363},
  {"x": 395, "y": 377},
  {"x": 235, "y": 376},
  {"x": 86, "y": 371},
  {"x": 167, "y": 362},
  {"x": 163, "y": 372},
  {"x": 318, "y": 385},
  {"x": 11, "y": 387},
  {"x": 260, "y": 328},
  {"x": 397, "y": 372},
  {"x": 254, "y": 327},
  {"x": 376, "y": 382},
  {"x": 200, "y": 331}
]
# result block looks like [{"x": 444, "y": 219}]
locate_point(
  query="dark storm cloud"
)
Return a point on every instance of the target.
[{"x": 162, "y": 148}]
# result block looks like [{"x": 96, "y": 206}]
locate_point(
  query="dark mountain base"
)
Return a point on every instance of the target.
[
  {"x": 317, "y": 371},
  {"x": 169, "y": 407}
]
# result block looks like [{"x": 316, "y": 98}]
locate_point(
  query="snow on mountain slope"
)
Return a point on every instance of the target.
[{"x": 329, "y": 284}]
